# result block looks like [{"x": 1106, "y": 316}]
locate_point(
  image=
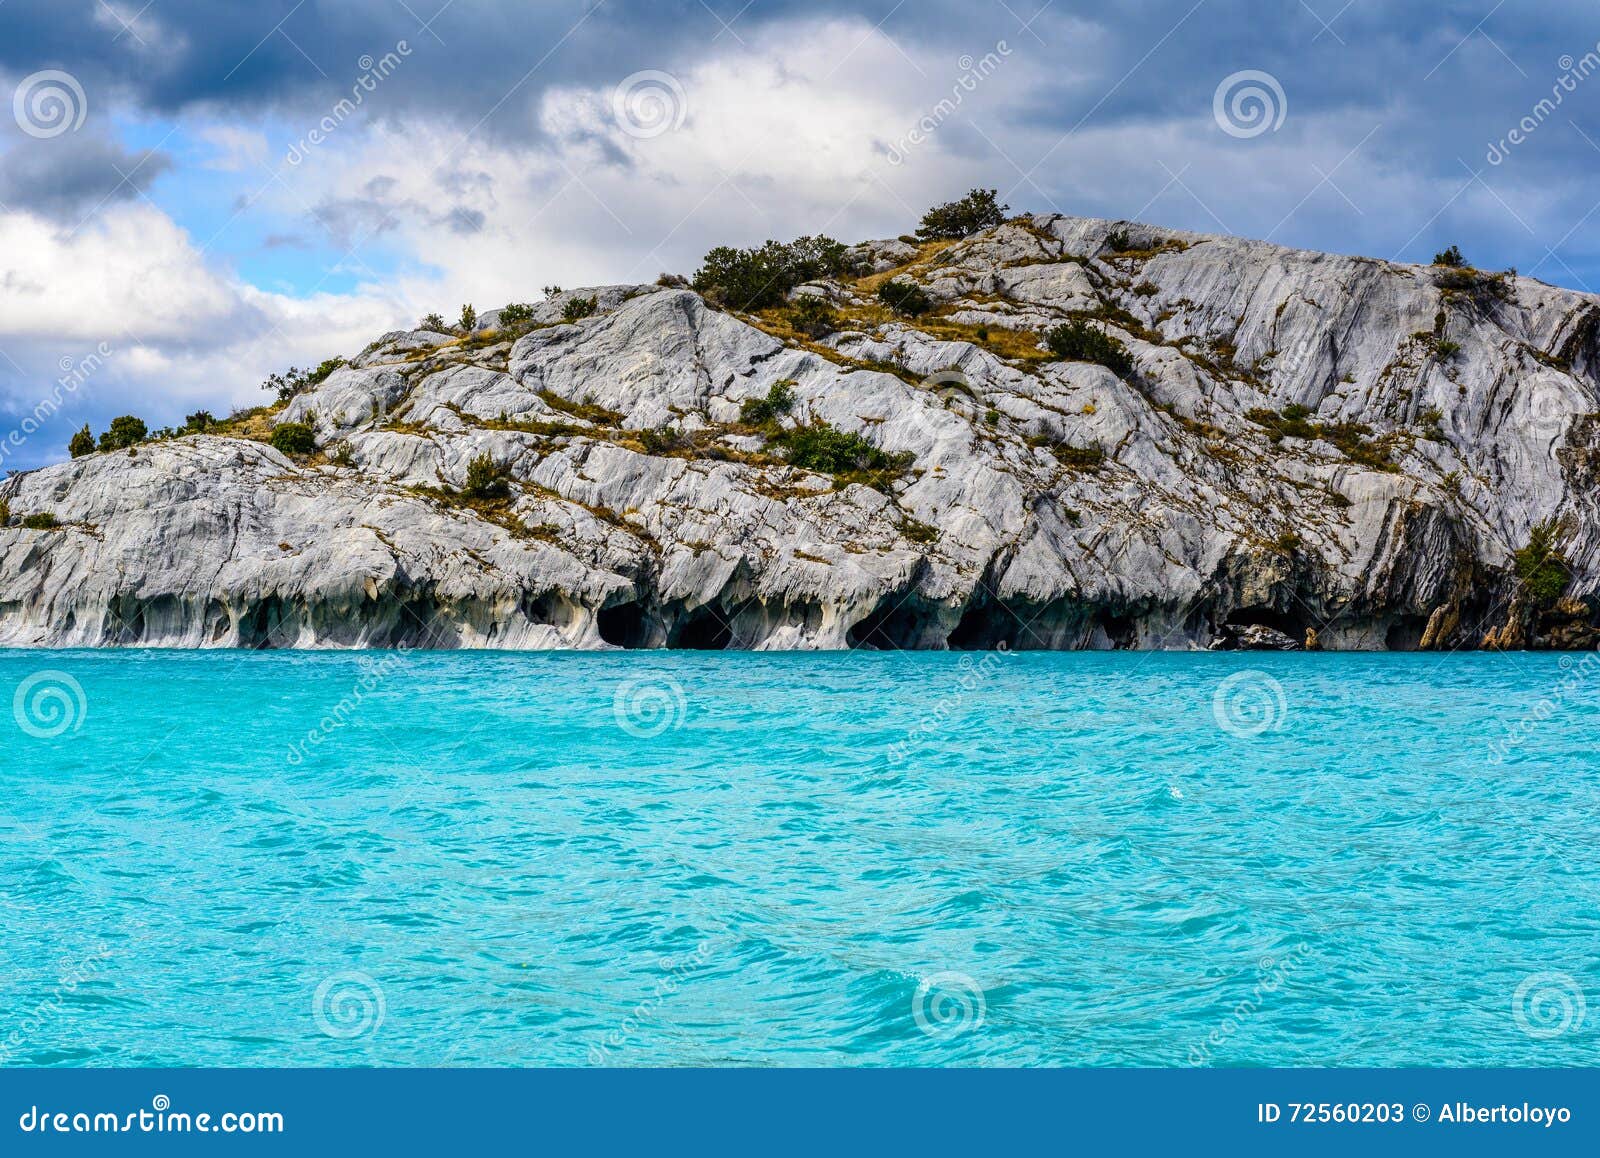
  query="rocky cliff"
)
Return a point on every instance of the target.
[{"x": 1302, "y": 441}]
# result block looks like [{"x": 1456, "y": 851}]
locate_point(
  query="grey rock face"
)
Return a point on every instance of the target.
[{"x": 1305, "y": 441}]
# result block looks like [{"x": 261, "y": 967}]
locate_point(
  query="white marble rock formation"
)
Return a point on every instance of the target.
[{"x": 1196, "y": 523}]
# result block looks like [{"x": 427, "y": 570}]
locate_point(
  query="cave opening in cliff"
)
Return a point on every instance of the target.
[
  {"x": 1291, "y": 623},
  {"x": 1405, "y": 633},
  {"x": 896, "y": 626},
  {"x": 705, "y": 630},
  {"x": 984, "y": 626},
  {"x": 622, "y": 625}
]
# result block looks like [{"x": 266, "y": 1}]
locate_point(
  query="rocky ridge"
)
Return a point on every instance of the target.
[{"x": 1305, "y": 441}]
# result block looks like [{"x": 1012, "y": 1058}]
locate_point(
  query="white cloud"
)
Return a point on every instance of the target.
[
  {"x": 788, "y": 135},
  {"x": 180, "y": 333},
  {"x": 237, "y": 150}
]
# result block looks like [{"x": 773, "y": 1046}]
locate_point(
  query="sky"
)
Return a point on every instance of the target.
[{"x": 194, "y": 194}]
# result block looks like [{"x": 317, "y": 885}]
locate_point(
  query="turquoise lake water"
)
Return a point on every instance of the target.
[{"x": 839, "y": 859}]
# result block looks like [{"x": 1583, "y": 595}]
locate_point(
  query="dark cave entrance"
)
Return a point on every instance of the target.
[
  {"x": 1405, "y": 634},
  {"x": 622, "y": 625},
  {"x": 895, "y": 627},
  {"x": 984, "y": 627},
  {"x": 705, "y": 630},
  {"x": 1291, "y": 624}
]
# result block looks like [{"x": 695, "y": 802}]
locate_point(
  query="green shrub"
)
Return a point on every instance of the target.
[
  {"x": 324, "y": 368},
  {"x": 40, "y": 521},
  {"x": 126, "y": 431},
  {"x": 486, "y": 479},
  {"x": 1117, "y": 241},
  {"x": 297, "y": 381},
  {"x": 435, "y": 323},
  {"x": 1353, "y": 439},
  {"x": 82, "y": 443},
  {"x": 760, "y": 411},
  {"x": 343, "y": 454},
  {"x": 664, "y": 440},
  {"x": 823, "y": 448},
  {"x": 469, "y": 318},
  {"x": 199, "y": 422},
  {"x": 1444, "y": 349},
  {"x": 1091, "y": 457},
  {"x": 1483, "y": 288},
  {"x": 813, "y": 316},
  {"x": 953, "y": 220},
  {"x": 1541, "y": 566},
  {"x": 672, "y": 281},
  {"x": 904, "y": 298},
  {"x": 578, "y": 308},
  {"x": 516, "y": 314},
  {"x": 1450, "y": 257},
  {"x": 294, "y": 438},
  {"x": 757, "y": 279},
  {"x": 1077, "y": 341}
]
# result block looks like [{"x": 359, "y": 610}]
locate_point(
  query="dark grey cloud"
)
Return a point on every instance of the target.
[
  {"x": 69, "y": 176},
  {"x": 1439, "y": 85}
]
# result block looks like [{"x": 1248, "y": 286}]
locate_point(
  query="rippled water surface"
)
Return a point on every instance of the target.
[{"x": 901, "y": 859}]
